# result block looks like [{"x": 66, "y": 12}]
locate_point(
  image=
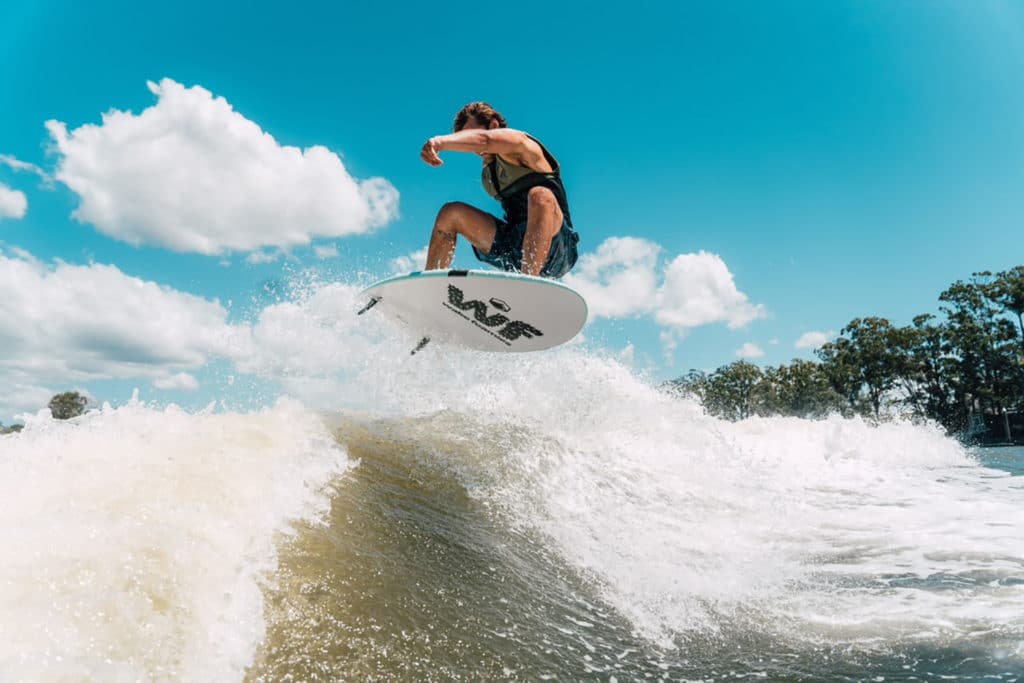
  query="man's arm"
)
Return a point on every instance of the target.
[{"x": 514, "y": 145}]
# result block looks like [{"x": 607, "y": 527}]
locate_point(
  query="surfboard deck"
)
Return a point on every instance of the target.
[{"x": 481, "y": 309}]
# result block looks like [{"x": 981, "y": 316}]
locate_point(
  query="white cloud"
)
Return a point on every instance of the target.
[
  {"x": 408, "y": 262},
  {"x": 13, "y": 204},
  {"x": 191, "y": 174},
  {"x": 813, "y": 339},
  {"x": 181, "y": 380},
  {"x": 23, "y": 397},
  {"x": 618, "y": 280},
  {"x": 749, "y": 350},
  {"x": 63, "y": 325},
  {"x": 621, "y": 279},
  {"x": 326, "y": 251},
  {"x": 268, "y": 256},
  {"x": 699, "y": 290},
  {"x": 18, "y": 165}
]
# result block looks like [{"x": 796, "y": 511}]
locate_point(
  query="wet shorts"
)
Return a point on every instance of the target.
[{"x": 507, "y": 250}]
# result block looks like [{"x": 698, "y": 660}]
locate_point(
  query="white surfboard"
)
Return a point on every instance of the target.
[{"x": 481, "y": 309}]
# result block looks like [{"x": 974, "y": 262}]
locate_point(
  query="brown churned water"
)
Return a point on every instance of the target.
[{"x": 421, "y": 571}]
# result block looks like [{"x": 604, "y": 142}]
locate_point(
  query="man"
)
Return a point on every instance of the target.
[{"x": 536, "y": 235}]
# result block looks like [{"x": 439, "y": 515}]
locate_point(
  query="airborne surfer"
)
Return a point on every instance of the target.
[{"x": 535, "y": 236}]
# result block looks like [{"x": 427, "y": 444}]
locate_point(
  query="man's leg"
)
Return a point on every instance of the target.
[
  {"x": 543, "y": 221},
  {"x": 458, "y": 218}
]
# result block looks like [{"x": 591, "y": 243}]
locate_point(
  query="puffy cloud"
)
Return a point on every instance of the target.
[
  {"x": 191, "y": 174},
  {"x": 618, "y": 280},
  {"x": 23, "y": 396},
  {"x": 409, "y": 262},
  {"x": 621, "y": 279},
  {"x": 326, "y": 251},
  {"x": 13, "y": 204},
  {"x": 698, "y": 290},
  {"x": 749, "y": 350},
  {"x": 65, "y": 324},
  {"x": 813, "y": 339},
  {"x": 268, "y": 256}
]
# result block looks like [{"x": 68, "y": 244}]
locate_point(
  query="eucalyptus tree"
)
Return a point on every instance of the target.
[
  {"x": 864, "y": 363},
  {"x": 983, "y": 342},
  {"x": 692, "y": 384},
  {"x": 1007, "y": 290},
  {"x": 731, "y": 390},
  {"x": 799, "y": 389},
  {"x": 929, "y": 372},
  {"x": 67, "y": 405},
  {"x": 839, "y": 364}
]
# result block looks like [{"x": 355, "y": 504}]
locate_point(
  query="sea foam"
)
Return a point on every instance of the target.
[{"x": 136, "y": 540}]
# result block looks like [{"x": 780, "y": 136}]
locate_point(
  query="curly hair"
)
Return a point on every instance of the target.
[{"x": 482, "y": 112}]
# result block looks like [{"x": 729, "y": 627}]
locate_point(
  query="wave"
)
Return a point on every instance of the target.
[
  {"x": 137, "y": 541},
  {"x": 837, "y": 531}
]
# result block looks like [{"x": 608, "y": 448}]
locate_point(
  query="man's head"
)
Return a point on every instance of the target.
[{"x": 478, "y": 115}]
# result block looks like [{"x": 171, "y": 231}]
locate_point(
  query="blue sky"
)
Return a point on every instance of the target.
[{"x": 835, "y": 160}]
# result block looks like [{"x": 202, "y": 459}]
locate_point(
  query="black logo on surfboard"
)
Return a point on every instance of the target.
[{"x": 510, "y": 329}]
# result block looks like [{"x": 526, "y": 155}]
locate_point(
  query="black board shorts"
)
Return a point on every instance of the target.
[{"x": 507, "y": 250}]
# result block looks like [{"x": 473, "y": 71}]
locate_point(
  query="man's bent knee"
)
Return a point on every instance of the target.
[
  {"x": 542, "y": 198},
  {"x": 453, "y": 210},
  {"x": 453, "y": 217}
]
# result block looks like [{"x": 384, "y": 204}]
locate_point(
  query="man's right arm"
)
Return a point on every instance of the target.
[{"x": 511, "y": 144}]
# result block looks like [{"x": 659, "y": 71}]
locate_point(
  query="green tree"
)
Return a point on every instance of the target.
[
  {"x": 731, "y": 390},
  {"x": 693, "y": 384},
  {"x": 10, "y": 429},
  {"x": 67, "y": 405},
  {"x": 983, "y": 342},
  {"x": 839, "y": 363},
  {"x": 1007, "y": 290},
  {"x": 863, "y": 364},
  {"x": 800, "y": 389},
  {"x": 927, "y": 372},
  {"x": 954, "y": 370}
]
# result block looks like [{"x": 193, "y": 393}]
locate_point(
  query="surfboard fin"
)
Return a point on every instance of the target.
[
  {"x": 423, "y": 342},
  {"x": 370, "y": 304}
]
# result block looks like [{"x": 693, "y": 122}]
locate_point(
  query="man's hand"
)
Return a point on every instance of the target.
[{"x": 430, "y": 150}]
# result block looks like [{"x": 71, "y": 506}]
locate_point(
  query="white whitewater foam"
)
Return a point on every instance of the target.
[
  {"x": 135, "y": 541},
  {"x": 834, "y": 530}
]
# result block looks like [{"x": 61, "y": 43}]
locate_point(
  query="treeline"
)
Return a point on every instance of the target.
[
  {"x": 958, "y": 368},
  {"x": 62, "y": 406}
]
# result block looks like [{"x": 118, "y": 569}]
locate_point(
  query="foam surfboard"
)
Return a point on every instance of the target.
[{"x": 481, "y": 309}]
